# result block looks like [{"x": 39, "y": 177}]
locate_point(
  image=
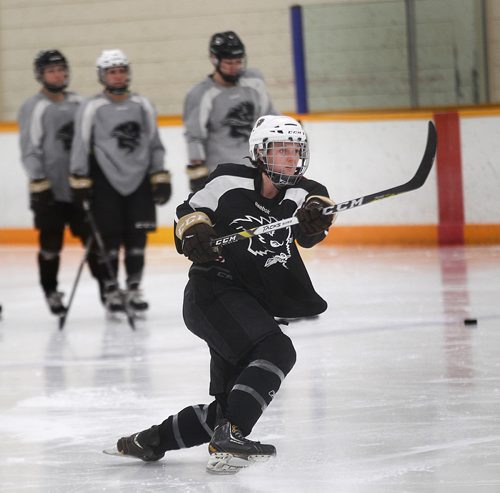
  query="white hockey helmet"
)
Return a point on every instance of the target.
[
  {"x": 108, "y": 59},
  {"x": 274, "y": 131}
]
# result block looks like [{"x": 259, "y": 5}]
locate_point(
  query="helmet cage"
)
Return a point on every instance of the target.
[
  {"x": 271, "y": 138},
  {"x": 284, "y": 175}
]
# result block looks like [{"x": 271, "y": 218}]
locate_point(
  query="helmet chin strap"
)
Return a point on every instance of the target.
[
  {"x": 231, "y": 79},
  {"x": 117, "y": 90},
  {"x": 54, "y": 89}
]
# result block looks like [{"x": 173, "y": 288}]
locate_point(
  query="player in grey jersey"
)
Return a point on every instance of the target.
[
  {"x": 220, "y": 111},
  {"x": 233, "y": 295},
  {"x": 46, "y": 132},
  {"x": 117, "y": 165}
]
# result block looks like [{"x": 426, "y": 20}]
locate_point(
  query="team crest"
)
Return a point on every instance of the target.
[
  {"x": 274, "y": 247},
  {"x": 128, "y": 135},
  {"x": 65, "y": 135},
  {"x": 240, "y": 120}
]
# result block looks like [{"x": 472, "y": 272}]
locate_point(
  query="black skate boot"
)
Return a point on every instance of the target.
[
  {"x": 54, "y": 300},
  {"x": 230, "y": 451},
  {"x": 113, "y": 299},
  {"x": 142, "y": 445},
  {"x": 135, "y": 299}
]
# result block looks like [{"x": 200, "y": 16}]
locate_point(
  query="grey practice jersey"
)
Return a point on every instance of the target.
[
  {"x": 123, "y": 138},
  {"x": 218, "y": 120},
  {"x": 46, "y": 131}
]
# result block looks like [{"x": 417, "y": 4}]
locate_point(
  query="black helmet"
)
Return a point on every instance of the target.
[
  {"x": 226, "y": 45},
  {"x": 45, "y": 58}
]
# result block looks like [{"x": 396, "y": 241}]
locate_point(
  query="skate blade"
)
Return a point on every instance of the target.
[
  {"x": 224, "y": 463},
  {"x": 114, "y": 451},
  {"x": 140, "y": 314}
]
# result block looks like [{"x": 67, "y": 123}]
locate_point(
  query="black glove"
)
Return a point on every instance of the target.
[
  {"x": 311, "y": 218},
  {"x": 196, "y": 243},
  {"x": 41, "y": 196},
  {"x": 195, "y": 230},
  {"x": 81, "y": 188},
  {"x": 161, "y": 187},
  {"x": 198, "y": 175}
]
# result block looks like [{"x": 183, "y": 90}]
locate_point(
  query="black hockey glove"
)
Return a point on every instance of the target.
[
  {"x": 41, "y": 196},
  {"x": 161, "y": 187},
  {"x": 81, "y": 188},
  {"x": 310, "y": 216},
  {"x": 196, "y": 232},
  {"x": 198, "y": 175}
]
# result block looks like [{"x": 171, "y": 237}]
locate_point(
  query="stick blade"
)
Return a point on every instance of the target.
[{"x": 428, "y": 158}]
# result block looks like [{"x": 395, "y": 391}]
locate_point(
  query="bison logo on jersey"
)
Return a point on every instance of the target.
[
  {"x": 240, "y": 120},
  {"x": 65, "y": 135},
  {"x": 128, "y": 135},
  {"x": 274, "y": 247}
]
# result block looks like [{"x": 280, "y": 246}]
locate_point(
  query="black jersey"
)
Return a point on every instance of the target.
[{"x": 269, "y": 266}]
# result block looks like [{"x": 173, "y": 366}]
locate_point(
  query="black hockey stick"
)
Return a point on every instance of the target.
[
  {"x": 102, "y": 250},
  {"x": 64, "y": 316},
  {"x": 416, "y": 182}
]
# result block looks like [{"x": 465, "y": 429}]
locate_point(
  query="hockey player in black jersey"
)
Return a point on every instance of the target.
[{"x": 234, "y": 295}]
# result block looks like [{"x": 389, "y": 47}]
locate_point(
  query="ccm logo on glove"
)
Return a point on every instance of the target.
[{"x": 311, "y": 218}]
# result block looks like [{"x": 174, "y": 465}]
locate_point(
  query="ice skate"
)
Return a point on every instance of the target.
[
  {"x": 54, "y": 300},
  {"x": 230, "y": 451},
  {"x": 142, "y": 445},
  {"x": 135, "y": 300},
  {"x": 113, "y": 299}
]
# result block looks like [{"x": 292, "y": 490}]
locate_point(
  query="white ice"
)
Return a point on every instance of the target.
[{"x": 391, "y": 391}]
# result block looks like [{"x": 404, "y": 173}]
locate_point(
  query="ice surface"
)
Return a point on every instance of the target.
[{"x": 390, "y": 393}]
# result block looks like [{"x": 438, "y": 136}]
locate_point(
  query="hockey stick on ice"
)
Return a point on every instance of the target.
[
  {"x": 102, "y": 250},
  {"x": 416, "y": 182},
  {"x": 64, "y": 316}
]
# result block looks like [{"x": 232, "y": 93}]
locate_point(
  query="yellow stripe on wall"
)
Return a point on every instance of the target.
[
  {"x": 354, "y": 115},
  {"x": 416, "y": 235}
]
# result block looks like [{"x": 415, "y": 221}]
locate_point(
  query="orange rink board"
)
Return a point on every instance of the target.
[{"x": 410, "y": 234}]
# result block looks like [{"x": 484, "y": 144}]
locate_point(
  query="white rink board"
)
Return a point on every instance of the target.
[
  {"x": 359, "y": 158},
  {"x": 352, "y": 158},
  {"x": 480, "y": 139}
]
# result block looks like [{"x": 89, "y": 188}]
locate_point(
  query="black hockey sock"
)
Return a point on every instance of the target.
[
  {"x": 94, "y": 266},
  {"x": 112, "y": 258},
  {"x": 259, "y": 382},
  {"x": 252, "y": 393},
  {"x": 192, "y": 426},
  {"x": 134, "y": 265},
  {"x": 48, "y": 265}
]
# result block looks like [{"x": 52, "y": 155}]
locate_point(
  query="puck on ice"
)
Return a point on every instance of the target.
[{"x": 470, "y": 321}]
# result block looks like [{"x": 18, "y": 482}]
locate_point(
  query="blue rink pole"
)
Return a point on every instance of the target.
[{"x": 298, "y": 59}]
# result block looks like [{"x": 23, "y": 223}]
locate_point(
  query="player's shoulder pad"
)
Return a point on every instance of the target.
[
  {"x": 312, "y": 187},
  {"x": 200, "y": 88},
  {"x": 138, "y": 96},
  {"x": 232, "y": 169},
  {"x": 96, "y": 97},
  {"x": 74, "y": 97},
  {"x": 30, "y": 102},
  {"x": 253, "y": 73}
]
